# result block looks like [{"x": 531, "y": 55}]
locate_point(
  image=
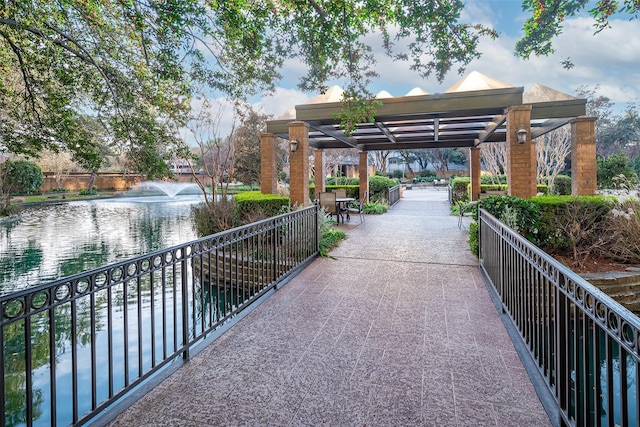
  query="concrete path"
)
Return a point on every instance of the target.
[{"x": 398, "y": 330}]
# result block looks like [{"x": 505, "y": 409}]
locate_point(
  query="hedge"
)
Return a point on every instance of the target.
[{"x": 251, "y": 201}]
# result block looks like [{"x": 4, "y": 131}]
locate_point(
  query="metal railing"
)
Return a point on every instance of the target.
[
  {"x": 586, "y": 346},
  {"x": 73, "y": 347},
  {"x": 394, "y": 195}
]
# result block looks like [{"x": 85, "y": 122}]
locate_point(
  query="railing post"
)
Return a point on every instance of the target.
[{"x": 185, "y": 305}]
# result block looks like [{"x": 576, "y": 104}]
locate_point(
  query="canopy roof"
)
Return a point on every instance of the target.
[{"x": 469, "y": 113}]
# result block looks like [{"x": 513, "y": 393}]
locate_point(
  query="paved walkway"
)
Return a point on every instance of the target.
[{"x": 398, "y": 330}]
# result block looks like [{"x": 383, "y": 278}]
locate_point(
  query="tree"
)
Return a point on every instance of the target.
[
  {"x": 59, "y": 163},
  {"x": 494, "y": 156},
  {"x": 552, "y": 150},
  {"x": 441, "y": 157},
  {"x": 135, "y": 66},
  {"x": 18, "y": 176},
  {"x": 547, "y": 17},
  {"x": 247, "y": 145},
  {"x": 214, "y": 153},
  {"x": 380, "y": 158}
]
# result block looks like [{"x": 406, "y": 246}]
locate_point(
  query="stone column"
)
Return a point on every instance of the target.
[
  {"x": 583, "y": 156},
  {"x": 474, "y": 173},
  {"x": 299, "y": 164},
  {"x": 521, "y": 158},
  {"x": 318, "y": 163},
  {"x": 268, "y": 164},
  {"x": 364, "y": 174}
]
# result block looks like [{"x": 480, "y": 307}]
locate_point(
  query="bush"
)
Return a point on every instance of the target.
[
  {"x": 622, "y": 229},
  {"x": 84, "y": 192},
  {"x": 562, "y": 185},
  {"x": 522, "y": 215},
  {"x": 562, "y": 218},
  {"x": 329, "y": 237},
  {"x": 341, "y": 181},
  {"x": 251, "y": 202},
  {"x": 213, "y": 218},
  {"x": 244, "y": 208},
  {"x": 379, "y": 188},
  {"x": 615, "y": 172},
  {"x": 460, "y": 189},
  {"x": 374, "y": 208},
  {"x": 474, "y": 242},
  {"x": 497, "y": 179}
]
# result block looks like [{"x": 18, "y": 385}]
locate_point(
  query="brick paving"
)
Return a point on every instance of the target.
[{"x": 398, "y": 330}]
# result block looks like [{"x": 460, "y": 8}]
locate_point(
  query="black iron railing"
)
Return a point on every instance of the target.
[
  {"x": 586, "y": 346},
  {"x": 394, "y": 195},
  {"x": 73, "y": 347}
]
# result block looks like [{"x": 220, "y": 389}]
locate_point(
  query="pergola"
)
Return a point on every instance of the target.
[{"x": 477, "y": 110}]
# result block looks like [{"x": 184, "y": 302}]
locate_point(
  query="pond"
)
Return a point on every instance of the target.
[
  {"x": 54, "y": 241},
  {"x": 49, "y": 242}
]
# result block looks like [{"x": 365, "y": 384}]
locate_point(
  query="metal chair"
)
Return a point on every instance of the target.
[
  {"x": 360, "y": 208},
  {"x": 341, "y": 193},
  {"x": 328, "y": 203}
]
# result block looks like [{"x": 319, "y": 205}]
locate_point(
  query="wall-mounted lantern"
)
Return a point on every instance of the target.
[
  {"x": 521, "y": 135},
  {"x": 293, "y": 144}
]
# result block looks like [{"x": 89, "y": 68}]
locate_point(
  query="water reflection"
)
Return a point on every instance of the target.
[{"x": 55, "y": 241}]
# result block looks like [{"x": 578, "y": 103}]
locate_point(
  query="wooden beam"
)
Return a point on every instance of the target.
[
  {"x": 336, "y": 134},
  {"x": 497, "y": 122},
  {"x": 386, "y": 132},
  {"x": 548, "y": 126}
]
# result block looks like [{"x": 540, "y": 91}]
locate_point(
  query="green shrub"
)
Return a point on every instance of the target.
[
  {"x": 84, "y": 192},
  {"x": 214, "y": 217},
  {"x": 612, "y": 169},
  {"x": 460, "y": 189},
  {"x": 250, "y": 202},
  {"x": 341, "y": 181},
  {"x": 329, "y": 237},
  {"x": 559, "y": 211},
  {"x": 493, "y": 187},
  {"x": 562, "y": 185},
  {"x": 374, "y": 208},
  {"x": 497, "y": 179},
  {"x": 524, "y": 215},
  {"x": 474, "y": 242},
  {"x": 379, "y": 188},
  {"x": 352, "y": 190}
]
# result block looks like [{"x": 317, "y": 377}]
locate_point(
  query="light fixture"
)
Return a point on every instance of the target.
[
  {"x": 293, "y": 144},
  {"x": 521, "y": 135}
]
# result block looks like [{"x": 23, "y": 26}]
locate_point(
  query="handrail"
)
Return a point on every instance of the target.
[
  {"x": 73, "y": 347},
  {"x": 394, "y": 195},
  {"x": 586, "y": 346}
]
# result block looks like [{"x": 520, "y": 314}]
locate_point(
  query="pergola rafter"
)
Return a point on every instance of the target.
[{"x": 473, "y": 112}]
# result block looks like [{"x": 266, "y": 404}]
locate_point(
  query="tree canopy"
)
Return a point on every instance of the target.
[{"x": 134, "y": 65}]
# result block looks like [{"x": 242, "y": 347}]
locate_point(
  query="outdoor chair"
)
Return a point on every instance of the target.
[
  {"x": 341, "y": 193},
  {"x": 360, "y": 208},
  {"x": 328, "y": 203}
]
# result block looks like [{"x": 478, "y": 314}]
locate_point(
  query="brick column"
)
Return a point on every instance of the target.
[
  {"x": 299, "y": 164},
  {"x": 268, "y": 164},
  {"x": 521, "y": 158},
  {"x": 474, "y": 173},
  {"x": 318, "y": 175},
  {"x": 583, "y": 156},
  {"x": 364, "y": 174}
]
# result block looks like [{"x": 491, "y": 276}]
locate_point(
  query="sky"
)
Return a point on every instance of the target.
[{"x": 610, "y": 60}]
